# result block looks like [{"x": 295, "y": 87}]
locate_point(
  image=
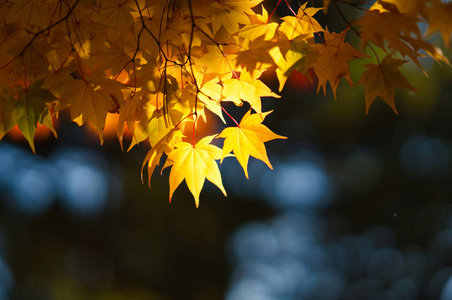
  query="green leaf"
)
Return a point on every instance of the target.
[{"x": 31, "y": 108}]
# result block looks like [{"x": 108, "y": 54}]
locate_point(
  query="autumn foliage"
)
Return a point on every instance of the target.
[{"x": 163, "y": 64}]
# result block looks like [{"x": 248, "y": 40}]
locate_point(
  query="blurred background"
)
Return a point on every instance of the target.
[{"x": 357, "y": 207}]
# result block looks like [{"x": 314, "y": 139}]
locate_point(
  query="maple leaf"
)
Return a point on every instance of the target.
[
  {"x": 217, "y": 61},
  {"x": 259, "y": 27},
  {"x": 174, "y": 60},
  {"x": 302, "y": 24},
  {"x": 114, "y": 58},
  {"x": 439, "y": 15},
  {"x": 330, "y": 61},
  {"x": 31, "y": 109},
  {"x": 127, "y": 114},
  {"x": 399, "y": 30},
  {"x": 149, "y": 75},
  {"x": 288, "y": 56},
  {"x": 176, "y": 28},
  {"x": 210, "y": 95},
  {"x": 382, "y": 80},
  {"x": 164, "y": 145},
  {"x": 231, "y": 13},
  {"x": 195, "y": 164},
  {"x": 247, "y": 139},
  {"x": 31, "y": 12},
  {"x": 247, "y": 88},
  {"x": 56, "y": 81},
  {"x": 87, "y": 101},
  {"x": 87, "y": 36},
  {"x": 255, "y": 54},
  {"x": 116, "y": 14},
  {"x": 155, "y": 129},
  {"x": 388, "y": 25}
]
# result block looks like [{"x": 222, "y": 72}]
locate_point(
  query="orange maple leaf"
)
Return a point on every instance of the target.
[
  {"x": 247, "y": 139},
  {"x": 195, "y": 164},
  {"x": 127, "y": 114},
  {"x": 400, "y": 31},
  {"x": 88, "y": 101},
  {"x": 330, "y": 60},
  {"x": 390, "y": 25},
  {"x": 439, "y": 16},
  {"x": 381, "y": 80},
  {"x": 30, "y": 12}
]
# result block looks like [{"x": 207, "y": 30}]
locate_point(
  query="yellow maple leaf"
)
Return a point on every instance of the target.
[
  {"x": 382, "y": 80},
  {"x": 164, "y": 145},
  {"x": 330, "y": 61},
  {"x": 288, "y": 56},
  {"x": 150, "y": 124},
  {"x": 231, "y": 13},
  {"x": 210, "y": 95},
  {"x": 255, "y": 55},
  {"x": 302, "y": 24},
  {"x": 247, "y": 88},
  {"x": 259, "y": 27},
  {"x": 195, "y": 163},
  {"x": 216, "y": 60},
  {"x": 247, "y": 139}
]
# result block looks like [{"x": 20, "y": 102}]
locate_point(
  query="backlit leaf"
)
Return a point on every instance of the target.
[
  {"x": 248, "y": 139},
  {"x": 195, "y": 164}
]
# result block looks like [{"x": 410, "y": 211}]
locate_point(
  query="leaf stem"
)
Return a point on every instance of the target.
[
  {"x": 224, "y": 110},
  {"x": 273, "y": 12}
]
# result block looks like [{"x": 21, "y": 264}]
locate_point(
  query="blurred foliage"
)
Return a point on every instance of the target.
[{"x": 383, "y": 228}]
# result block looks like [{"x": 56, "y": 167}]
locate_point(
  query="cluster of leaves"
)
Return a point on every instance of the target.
[{"x": 162, "y": 64}]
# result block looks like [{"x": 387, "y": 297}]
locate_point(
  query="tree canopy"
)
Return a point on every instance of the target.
[{"x": 166, "y": 65}]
